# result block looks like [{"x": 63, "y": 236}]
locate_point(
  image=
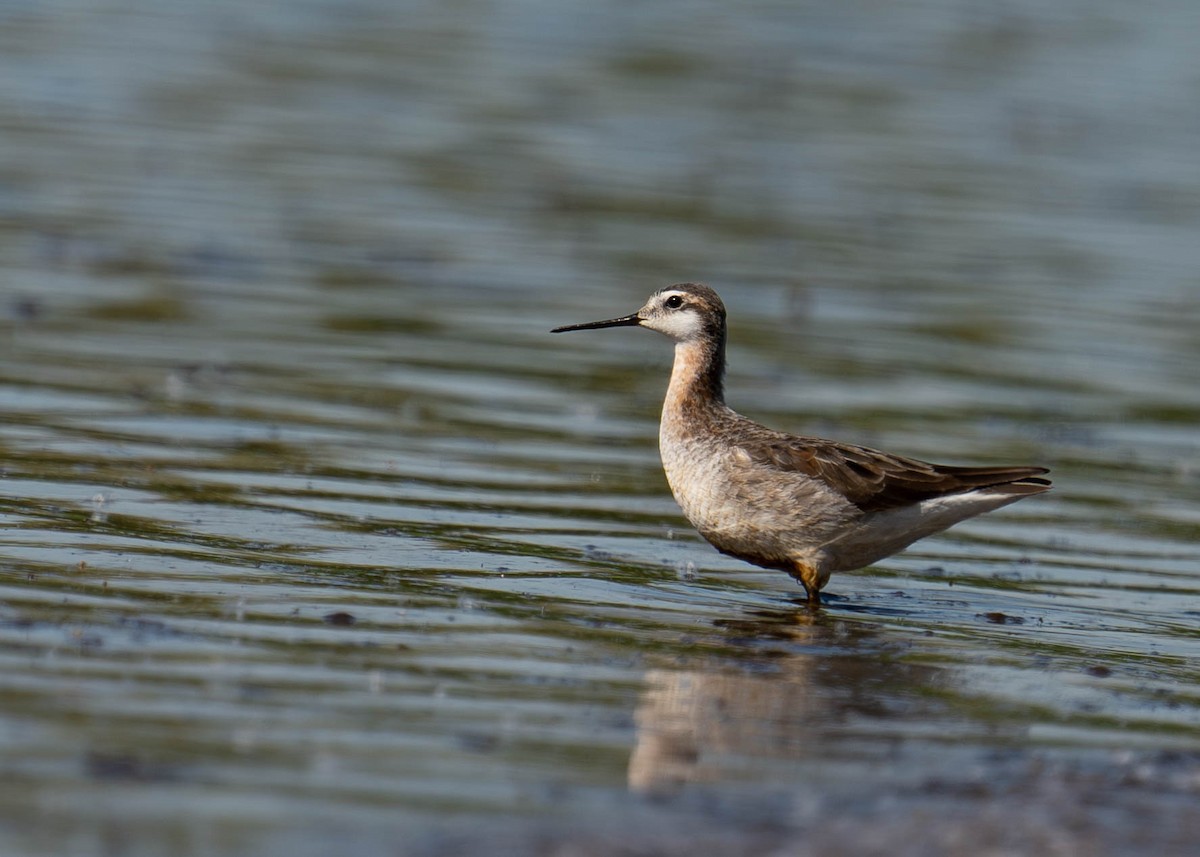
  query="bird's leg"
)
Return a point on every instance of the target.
[{"x": 810, "y": 578}]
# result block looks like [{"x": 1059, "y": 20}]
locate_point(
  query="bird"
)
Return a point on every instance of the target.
[{"x": 803, "y": 505}]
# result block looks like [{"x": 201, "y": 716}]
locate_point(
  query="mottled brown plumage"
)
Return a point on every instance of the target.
[
  {"x": 873, "y": 480},
  {"x": 805, "y": 505}
]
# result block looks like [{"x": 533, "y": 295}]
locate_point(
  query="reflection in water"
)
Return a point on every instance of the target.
[{"x": 812, "y": 689}]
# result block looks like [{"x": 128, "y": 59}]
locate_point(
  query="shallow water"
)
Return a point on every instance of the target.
[{"x": 314, "y": 538}]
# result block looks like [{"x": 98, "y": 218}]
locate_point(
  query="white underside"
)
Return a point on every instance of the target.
[{"x": 881, "y": 534}]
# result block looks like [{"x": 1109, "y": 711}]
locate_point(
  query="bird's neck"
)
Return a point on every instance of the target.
[{"x": 697, "y": 387}]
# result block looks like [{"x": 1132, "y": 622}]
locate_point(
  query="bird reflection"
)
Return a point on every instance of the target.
[{"x": 810, "y": 685}]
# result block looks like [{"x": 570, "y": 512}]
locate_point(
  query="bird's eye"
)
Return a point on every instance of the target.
[{"x": 673, "y": 302}]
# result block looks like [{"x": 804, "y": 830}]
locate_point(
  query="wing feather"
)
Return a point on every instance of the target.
[{"x": 874, "y": 480}]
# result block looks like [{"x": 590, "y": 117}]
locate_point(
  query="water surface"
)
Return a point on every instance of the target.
[{"x": 314, "y": 539}]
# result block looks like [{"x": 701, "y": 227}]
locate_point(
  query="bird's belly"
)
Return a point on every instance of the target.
[{"x": 761, "y": 515}]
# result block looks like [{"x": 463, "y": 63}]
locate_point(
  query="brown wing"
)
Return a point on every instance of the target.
[{"x": 874, "y": 480}]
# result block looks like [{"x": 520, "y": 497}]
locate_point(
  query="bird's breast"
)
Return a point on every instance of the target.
[{"x": 742, "y": 507}]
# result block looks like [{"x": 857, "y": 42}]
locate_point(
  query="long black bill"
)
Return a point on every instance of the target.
[{"x": 624, "y": 321}]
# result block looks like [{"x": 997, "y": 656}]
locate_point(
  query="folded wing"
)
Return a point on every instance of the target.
[{"x": 874, "y": 481}]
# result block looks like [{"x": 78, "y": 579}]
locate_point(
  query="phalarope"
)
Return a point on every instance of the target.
[{"x": 803, "y": 505}]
